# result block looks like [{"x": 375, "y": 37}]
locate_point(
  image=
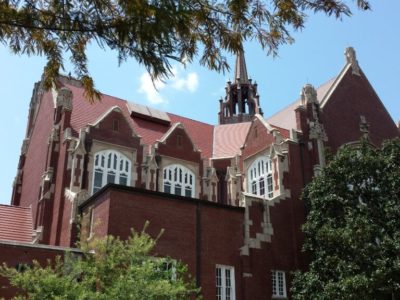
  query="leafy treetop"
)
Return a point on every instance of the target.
[
  {"x": 106, "y": 268},
  {"x": 152, "y": 32},
  {"x": 352, "y": 231}
]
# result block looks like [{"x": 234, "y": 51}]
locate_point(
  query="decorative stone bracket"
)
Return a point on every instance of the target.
[{"x": 76, "y": 198}]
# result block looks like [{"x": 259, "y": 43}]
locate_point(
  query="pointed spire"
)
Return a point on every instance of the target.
[{"x": 240, "y": 69}]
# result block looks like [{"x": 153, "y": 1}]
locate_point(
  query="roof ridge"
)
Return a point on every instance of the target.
[
  {"x": 190, "y": 119},
  {"x": 16, "y": 206}
]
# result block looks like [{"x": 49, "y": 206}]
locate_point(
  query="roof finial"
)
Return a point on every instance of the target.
[
  {"x": 351, "y": 58},
  {"x": 240, "y": 68}
]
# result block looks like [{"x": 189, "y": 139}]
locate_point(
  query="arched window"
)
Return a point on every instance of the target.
[
  {"x": 178, "y": 180},
  {"x": 110, "y": 167},
  {"x": 260, "y": 177}
]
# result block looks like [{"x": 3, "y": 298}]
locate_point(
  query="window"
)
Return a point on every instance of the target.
[
  {"x": 260, "y": 177},
  {"x": 167, "y": 268},
  {"x": 178, "y": 180},
  {"x": 110, "y": 167},
  {"x": 225, "y": 282},
  {"x": 179, "y": 140},
  {"x": 116, "y": 125},
  {"x": 278, "y": 284}
]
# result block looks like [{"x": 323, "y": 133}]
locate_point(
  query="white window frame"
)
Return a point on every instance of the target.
[
  {"x": 179, "y": 180},
  {"x": 168, "y": 266},
  {"x": 225, "y": 286},
  {"x": 108, "y": 164},
  {"x": 278, "y": 284},
  {"x": 260, "y": 179}
]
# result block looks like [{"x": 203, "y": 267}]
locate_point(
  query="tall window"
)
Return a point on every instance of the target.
[
  {"x": 225, "y": 282},
  {"x": 110, "y": 167},
  {"x": 179, "y": 180},
  {"x": 260, "y": 177},
  {"x": 278, "y": 284}
]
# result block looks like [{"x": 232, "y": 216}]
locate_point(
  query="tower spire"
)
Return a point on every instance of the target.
[
  {"x": 241, "y": 101},
  {"x": 240, "y": 68}
]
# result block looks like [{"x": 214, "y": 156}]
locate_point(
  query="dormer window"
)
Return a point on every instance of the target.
[
  {"x": 259, "y": 176},
  {"x": 178, "y": 180},
  {"x": 110, "y": 167}
]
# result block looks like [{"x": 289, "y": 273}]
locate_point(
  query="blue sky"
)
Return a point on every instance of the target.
[{"x": 315, "y": 57}]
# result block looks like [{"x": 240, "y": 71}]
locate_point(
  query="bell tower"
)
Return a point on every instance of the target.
[{"x": 241, "y": 101}]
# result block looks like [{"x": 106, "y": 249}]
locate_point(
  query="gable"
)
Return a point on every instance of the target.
[
  {"x": 259, "y": 137},
  {"x": 352, "y": 98},
  {"x": 113, "y": 127},
  {"x": 178, "y": 144}
]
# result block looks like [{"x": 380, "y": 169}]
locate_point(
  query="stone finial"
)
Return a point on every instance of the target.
[
  {"x": 308, "y": 94},
  {"x": 351, "y": 59},
  {"x": 64, "y": 99},
  {"x": 364, "y": 127}
]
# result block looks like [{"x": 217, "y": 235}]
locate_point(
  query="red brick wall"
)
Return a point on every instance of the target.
[
  {"x": 20, "y": 254},
  {"x": 199, "y": 233},
  {"x": 36, "y": 155}
]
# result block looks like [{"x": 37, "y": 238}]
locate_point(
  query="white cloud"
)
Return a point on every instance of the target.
[
  {"x": 178, "y": 81},
  {"x": 152, "y": 90},
  {"x": 190, "y": 83}
]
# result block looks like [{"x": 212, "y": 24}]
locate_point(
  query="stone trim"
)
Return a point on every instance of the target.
[{"x": 115, "y": 108}]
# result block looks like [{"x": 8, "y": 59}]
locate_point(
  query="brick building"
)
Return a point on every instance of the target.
[{"x": 228, "y": 195}]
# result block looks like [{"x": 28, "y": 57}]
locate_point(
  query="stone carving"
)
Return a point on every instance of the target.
[
  {"x": 54, "y": 135},
  {"x": 64, "y": 99},
  {"x": 364, "y": 127},
  {"x": 317, "y": 131},
  {"x": 24, "y": 147},
  {"x": 308, "y": 94},
  {"x": 351, "y": 58}
]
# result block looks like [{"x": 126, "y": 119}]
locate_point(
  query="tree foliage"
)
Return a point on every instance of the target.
[
  {"x": 352, "y": 231},
  {"x": 106, "y": 268},
  {"x": 152, "y": 32}
]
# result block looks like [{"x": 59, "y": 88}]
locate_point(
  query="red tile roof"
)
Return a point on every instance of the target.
[
  {"x": 15, "y": 223},
  {"x": 213, "y": 141},
  {"x": 286, "y": 117},
  {"x": 85, "y": 113},
  {"x": 229, "y": 138}
]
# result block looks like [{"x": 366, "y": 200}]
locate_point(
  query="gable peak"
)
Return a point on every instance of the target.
[{"x": 351, "y": 59}]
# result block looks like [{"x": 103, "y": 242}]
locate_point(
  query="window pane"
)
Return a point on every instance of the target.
[
  {"x": 123, "y": 179},
  {"x": 111, "y": 177},
  {"x": 178, "y": 190},
  {"x": 188, "y": 192},
  {"x": 98, "y": 180},
  {"x": 224, "y": 281},
  {"x": 270, "y": 186},
  {"x": 274, "y": 293},
  {"x": 280, "y": 284},
  {"x": 109, "y": 161},
  {"x": 262, "y": 187},
  {"x": 218, "y": 283},
  {"x": 254, "y": 187},
  {"x": 167, "y": 188}
]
